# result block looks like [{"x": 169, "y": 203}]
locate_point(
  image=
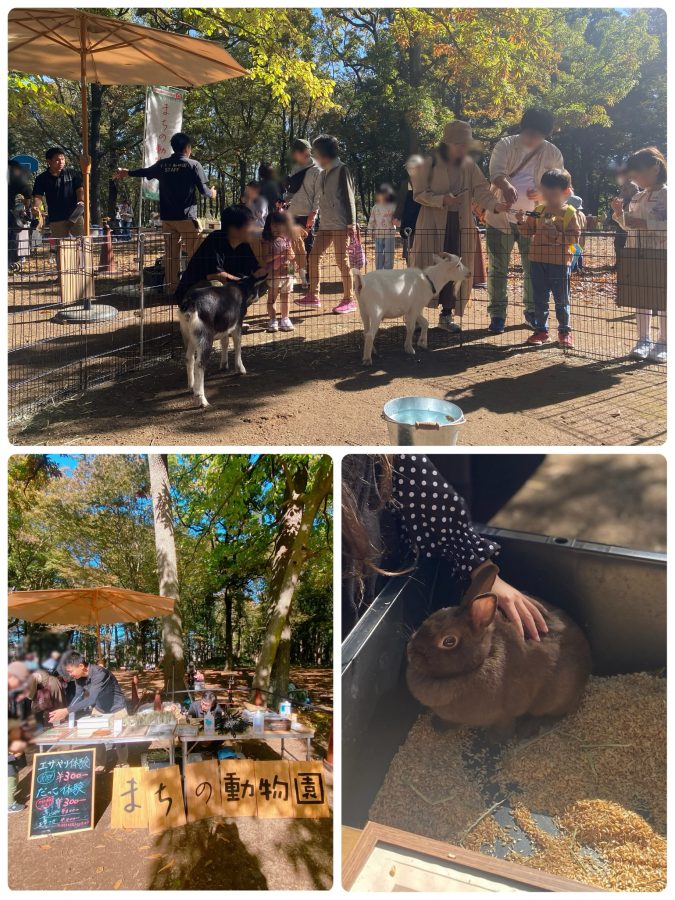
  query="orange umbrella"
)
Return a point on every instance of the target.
[
  {"x": 69, "y": 43},
  {"x": 87, "y": 606}
]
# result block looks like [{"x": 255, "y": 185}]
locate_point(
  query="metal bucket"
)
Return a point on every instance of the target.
[{"x": 422, "y": 421}]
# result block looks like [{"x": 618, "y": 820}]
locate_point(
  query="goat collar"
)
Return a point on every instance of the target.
[{"x": 433, "y": 286}]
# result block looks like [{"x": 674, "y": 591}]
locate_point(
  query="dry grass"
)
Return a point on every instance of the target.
[{"x": 600, "y": 775}]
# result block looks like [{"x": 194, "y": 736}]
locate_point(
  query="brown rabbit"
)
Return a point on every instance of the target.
[{"x": 470, "y": 666}]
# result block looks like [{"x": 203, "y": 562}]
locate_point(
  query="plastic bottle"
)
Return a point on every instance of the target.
[{"x": 258, "y": 721}]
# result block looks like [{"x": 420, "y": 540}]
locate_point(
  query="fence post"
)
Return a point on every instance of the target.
[{"x": 141, "y": 293}]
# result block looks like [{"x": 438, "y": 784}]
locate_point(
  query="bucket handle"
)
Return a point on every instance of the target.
[{"x": 428, "y": 426}]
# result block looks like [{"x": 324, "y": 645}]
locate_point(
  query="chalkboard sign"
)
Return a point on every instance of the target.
[{"x": 62, "y": 793}]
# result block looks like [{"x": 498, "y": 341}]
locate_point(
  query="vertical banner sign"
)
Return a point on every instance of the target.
[
  {"x": 310, "y": 798},
  {"x": 164, "y": 796},
  {"x": 273, "y": 782},
  {"x": 62, "y": 793},
  {"x": 163, "y": 118},
  {"x": 202, "y": 790},
  {"x": 129, "y": 806},
  {"x": 238, "y": 787}
]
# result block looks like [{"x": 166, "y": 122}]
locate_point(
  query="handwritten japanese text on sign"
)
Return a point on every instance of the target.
[{"x": 62, "y": 793}]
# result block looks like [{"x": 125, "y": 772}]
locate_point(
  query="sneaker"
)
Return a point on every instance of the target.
[
  {"x": 345, "y": 306},
  {"x": 446, "y": 321},
  {"x": 658, "y": 353},
  {"x": 537, "y": 339},
  {"x": 565, "y": 339},
  {"x": 272, "y": 325},
  {"x": 308, "y": 300},
  {"x": 285, "y": 324},
  {"x": 16, "y": 807},
  {"x": 481, "y": 286},
  {"x": 642, "y": 349},
  {"x": 528, "y": 315},
  {"x": 245, "y": 328},
  {"x": 496, "y": 325}
]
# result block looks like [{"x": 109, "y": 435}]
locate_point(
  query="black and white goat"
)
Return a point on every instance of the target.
[{"x": 210, "y": 313}]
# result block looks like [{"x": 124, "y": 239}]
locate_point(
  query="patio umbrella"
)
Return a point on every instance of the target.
[
  {"x": 87, "y": 606},
  {"x": 68, "y": 43}
]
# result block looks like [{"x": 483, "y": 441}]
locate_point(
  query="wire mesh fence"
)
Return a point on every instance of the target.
[
  {"x": 86, "y": 310},
  {"x": 82, "y": 312}
]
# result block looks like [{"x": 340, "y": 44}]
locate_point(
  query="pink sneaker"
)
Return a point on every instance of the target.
[
  {"x": 345, "y": 306},
  {"x": 308, "y": 300}
]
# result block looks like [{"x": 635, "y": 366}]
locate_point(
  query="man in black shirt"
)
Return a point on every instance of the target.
[
  {"x": 97, "y": 689},
  {"x": 179, "y": 177},
  {"x": 63, "y": 190},
  {"x": 225, "y": 255}
]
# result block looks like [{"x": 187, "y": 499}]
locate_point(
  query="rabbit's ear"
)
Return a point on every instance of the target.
[
  {"x": 482, "y": 582},
  {"x": 482, "y": 611}
]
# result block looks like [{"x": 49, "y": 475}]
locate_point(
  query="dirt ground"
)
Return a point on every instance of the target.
[
  {"x": 308, "y": 387},
  {"x": 610, "y": 499},
  {"x": 509, "y": 398},
  {"x": 215, "y": 854}
]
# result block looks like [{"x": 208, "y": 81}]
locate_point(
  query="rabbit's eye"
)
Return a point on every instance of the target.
[{"x": 449, "y": 641}]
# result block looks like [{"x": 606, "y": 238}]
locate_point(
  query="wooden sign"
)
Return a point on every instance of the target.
[
  {"x": 308, "y": 790},
  {"x": 164, "y": 795},
  {"x": 129, "y": 806},
  {"x": 273, "y": 785},
  {"x": 202, "y": 790},
  {"x": 62, "y": 793},
  {"x": 238, "y": 787}
]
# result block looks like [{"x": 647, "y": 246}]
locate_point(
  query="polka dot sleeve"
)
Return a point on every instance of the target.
[{"x": 434, "y": 517}]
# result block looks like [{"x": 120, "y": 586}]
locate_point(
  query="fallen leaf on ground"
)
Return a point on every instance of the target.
[
  {"x": 169, "y": 865},
  {"x": 117, "y": 885},
  {"x": 154, "y": 856}
]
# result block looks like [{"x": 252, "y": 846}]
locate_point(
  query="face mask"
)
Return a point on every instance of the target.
[{"x": 31, "y": 665}]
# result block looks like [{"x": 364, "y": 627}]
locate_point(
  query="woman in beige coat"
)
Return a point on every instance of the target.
[{"x": 445, "y": 187}]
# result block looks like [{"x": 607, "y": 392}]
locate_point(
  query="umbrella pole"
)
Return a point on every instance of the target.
[{"x": 85, "y": 161}]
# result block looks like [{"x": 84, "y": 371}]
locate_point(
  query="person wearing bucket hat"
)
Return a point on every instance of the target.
[
  {"x": 445, "y": 186},
  {"x": 517, "y": 164}
]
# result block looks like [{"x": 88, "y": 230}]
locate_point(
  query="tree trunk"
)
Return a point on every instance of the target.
[
  {"x": 242, "y": 174},
  {"x": 229, "y": 660},
  {"x": 167, "y": 570},
  {"x": 281, "y": 670},
  {"x": 95, "y": 114},
  {"x": 301, "y": 505}
]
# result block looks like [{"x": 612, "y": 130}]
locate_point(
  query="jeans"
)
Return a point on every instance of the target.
[
  {"x": 547, "y": 279},
  {"x": 500, "y": 247},
  {"x": 384, "y": 252}
]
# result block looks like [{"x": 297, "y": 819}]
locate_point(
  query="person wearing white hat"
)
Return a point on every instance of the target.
[{"x": 445, "y": 186}]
